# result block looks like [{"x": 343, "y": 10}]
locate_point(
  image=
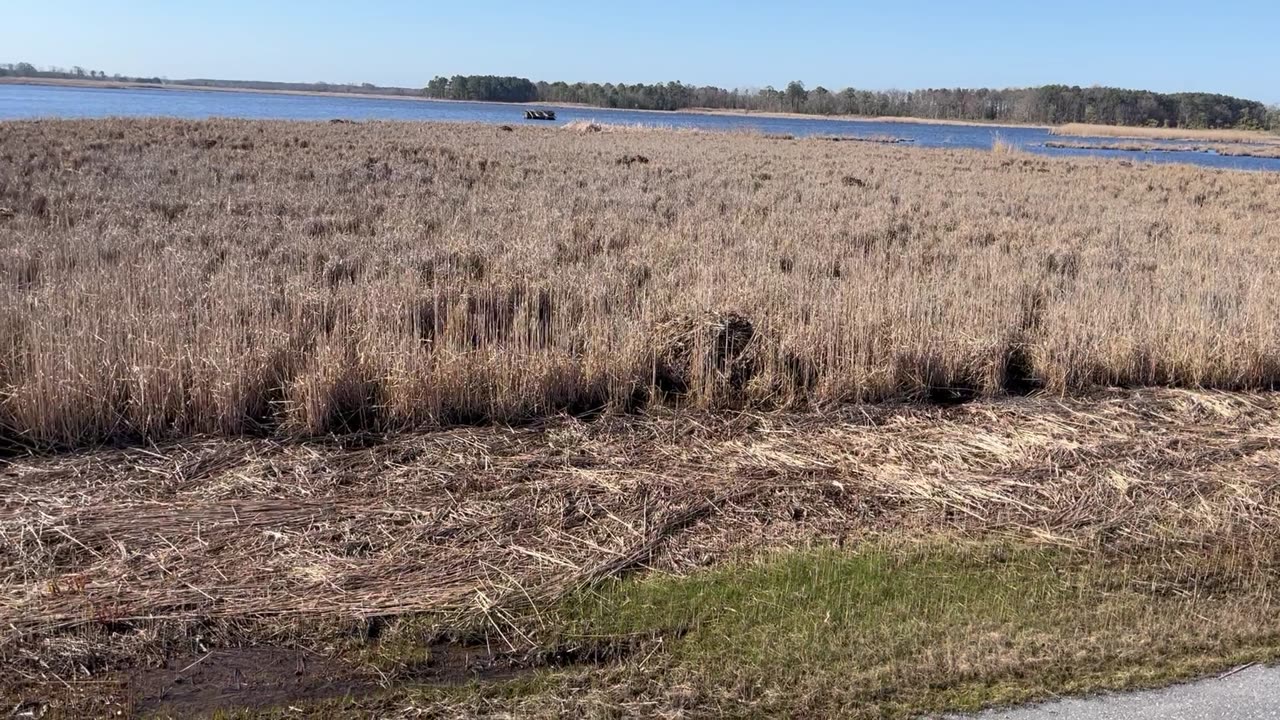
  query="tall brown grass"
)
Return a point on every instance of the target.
[
  {"x": 1000, "y": 146},
  {"x": 1150, "y": 133},
  {"x": 164, "y": 278}
]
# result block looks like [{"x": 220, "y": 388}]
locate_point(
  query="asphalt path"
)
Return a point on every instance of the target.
[{"x": 1252, "y": 693}]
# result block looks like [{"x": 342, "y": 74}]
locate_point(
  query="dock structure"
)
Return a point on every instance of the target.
[{"x": 539, "y": 115}]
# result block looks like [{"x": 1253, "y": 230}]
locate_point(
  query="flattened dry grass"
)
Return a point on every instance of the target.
[
  {"x": 117, "y": 560},
  {"x": 164, "y": 279}
]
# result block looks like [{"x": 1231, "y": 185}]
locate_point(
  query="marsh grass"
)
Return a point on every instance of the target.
[
  {"x": 1000, "y": 146},
  {"x": 1120, "y": 131},
  {"x": 163, "y": 278},
  {"x": 592, "y": 126},
  {"x": 1237, "y": 149}
]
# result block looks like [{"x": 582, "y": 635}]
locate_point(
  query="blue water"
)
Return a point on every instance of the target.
[{"x": 48, "y": 101}]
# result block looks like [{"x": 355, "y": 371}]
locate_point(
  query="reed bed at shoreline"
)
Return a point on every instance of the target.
[
  {"x": 1232, "y": 149},
  {"x": 165, "y": 278},
  {"x": 1156, "y": 133}
]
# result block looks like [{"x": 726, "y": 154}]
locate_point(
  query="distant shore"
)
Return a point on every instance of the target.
[
  {"x": 1222, "y": 135},
  {"x": 130, "y": 85},
  {"x": 1231, "y": 148},
  {"x": 857, "y": 118},
  {"x": 1069, "y": 129}
]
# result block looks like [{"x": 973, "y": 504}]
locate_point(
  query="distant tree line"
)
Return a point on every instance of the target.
[
  {"x": 1050, "y": 104},
  {"x": 324, "y": 87},
  {"x": 27, "y": 70},
  {"x": 483, "y": 87}
]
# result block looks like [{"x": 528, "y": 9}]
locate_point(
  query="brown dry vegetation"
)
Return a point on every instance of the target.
[
  {"x": 895, "y": 119},
  {"x": 166, "y": 278},
  {"x": 253, "y": 528},
  {"x": 1215, "y": 135},
  {"x": 256, "y": 285},
  {"x": 1234, "y": 149},
  {"x": 118, "y": 561}
]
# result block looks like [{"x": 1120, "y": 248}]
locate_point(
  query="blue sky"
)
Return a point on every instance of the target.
[{"x": 1229, "y": 46}]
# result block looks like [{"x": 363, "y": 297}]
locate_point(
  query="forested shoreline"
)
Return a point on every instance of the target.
[
  {"x": 1044, "y": 105},
  {"x": 1049, "y": 104}
]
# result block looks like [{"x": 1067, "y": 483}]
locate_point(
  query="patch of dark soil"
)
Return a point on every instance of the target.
[
  {"x": 277, "y": 677},
  {"x": 600, "y": 651},
  {"x": 266, "y": 677},
  {"x": 453, "y": 664},
  {"x": 272, "y": 677},
  {"x": 450, "y": 663},
  {"x": 242, "y": 677}
]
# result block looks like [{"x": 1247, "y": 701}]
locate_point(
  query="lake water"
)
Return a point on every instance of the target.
[{"x": 48, "y": 101}]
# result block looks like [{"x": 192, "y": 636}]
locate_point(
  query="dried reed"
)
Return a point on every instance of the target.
[{"x": 164, "y": 278}]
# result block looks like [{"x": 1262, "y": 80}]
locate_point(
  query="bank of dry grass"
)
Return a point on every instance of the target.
[
  {"x": 1138, "y": 533},
  {"x": 1232, "y": 149},
  {"x": 891, "y": 119},
  {"x": 1150, "y": 133},
  {"x": 167, "y": 278}
]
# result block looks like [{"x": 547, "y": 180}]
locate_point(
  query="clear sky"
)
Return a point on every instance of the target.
[{"x": 1229, "y": 46}]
